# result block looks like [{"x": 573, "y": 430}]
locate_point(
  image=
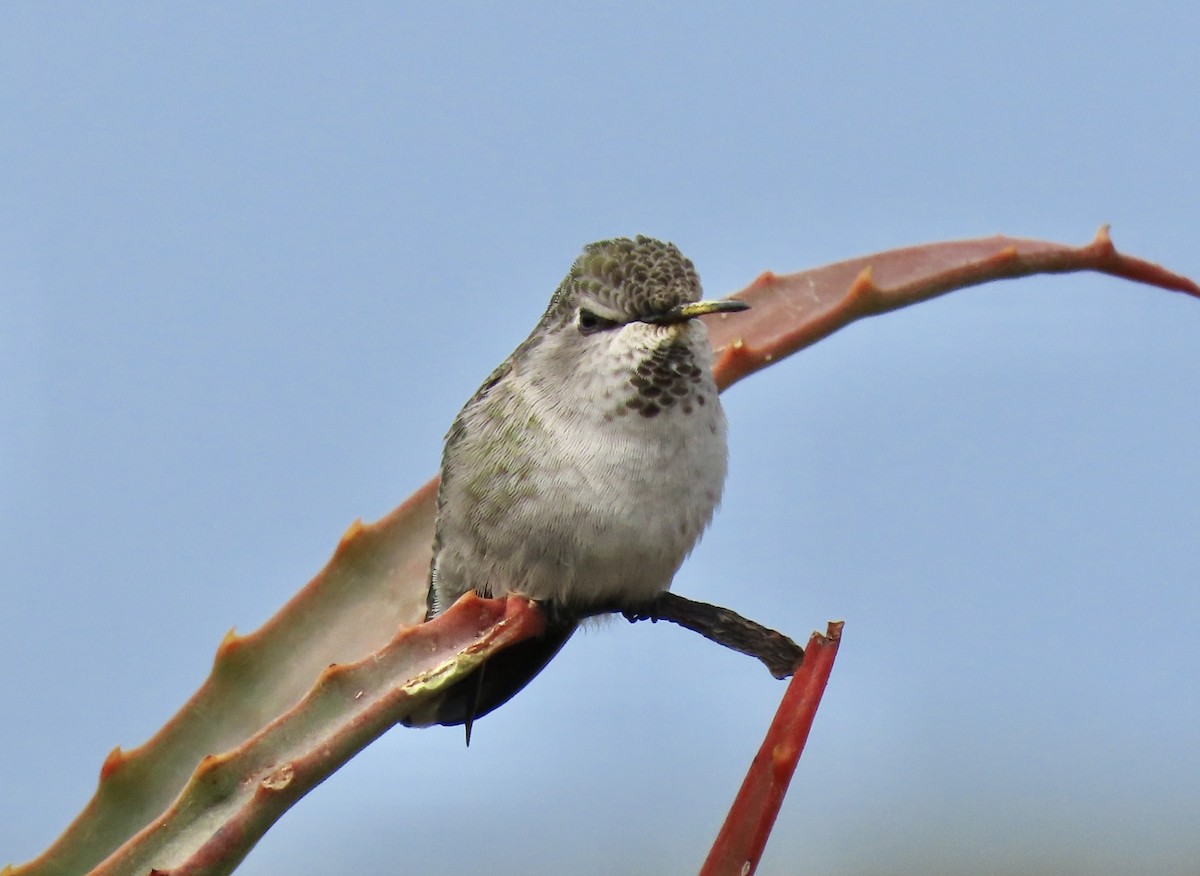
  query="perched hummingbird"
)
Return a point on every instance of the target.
[{"x": 586, "y": 467}]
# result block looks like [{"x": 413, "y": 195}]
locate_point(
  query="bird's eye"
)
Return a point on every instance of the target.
[{"x": 589, "y": 323}]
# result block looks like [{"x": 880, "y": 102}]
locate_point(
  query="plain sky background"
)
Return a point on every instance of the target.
[{"x": 254, "y": 258}]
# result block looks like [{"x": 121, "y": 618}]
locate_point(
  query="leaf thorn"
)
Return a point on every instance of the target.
[{"x": 863, "y": 288}]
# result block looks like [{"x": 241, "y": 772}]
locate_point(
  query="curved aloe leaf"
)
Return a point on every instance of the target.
[
  {"x": 791, "y": 312},
  {"x": 231, "y": 799},
  {"x": 375, "y": 584},
  {"x": 353, "y": 607}
]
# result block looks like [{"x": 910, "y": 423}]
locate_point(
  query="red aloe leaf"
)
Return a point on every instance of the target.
[
  {"x": 375, "y": 583},
  {"x": 232, "y": 799},
  {"x": 790, "y": 312},
  {"x": 371, "y": 587},
  {"x": 743, "y": 836}
]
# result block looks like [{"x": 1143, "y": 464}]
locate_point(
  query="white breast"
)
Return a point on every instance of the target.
[{"x": 601, "y": 502}]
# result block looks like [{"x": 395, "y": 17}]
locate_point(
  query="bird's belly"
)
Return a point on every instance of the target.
[{"x": 616, "y": 510}]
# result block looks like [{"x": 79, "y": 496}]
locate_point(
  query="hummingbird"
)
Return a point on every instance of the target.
[{"x": 586, "y": 467}]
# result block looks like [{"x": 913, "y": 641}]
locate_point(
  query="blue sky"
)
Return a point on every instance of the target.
[{"x": 251, "y": 264}]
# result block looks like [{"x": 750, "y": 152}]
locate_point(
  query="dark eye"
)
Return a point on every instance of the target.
[{"x": 589, "y": 323}]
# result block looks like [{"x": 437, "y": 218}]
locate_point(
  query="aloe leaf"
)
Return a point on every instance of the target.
[
  {"x": 788, "y": 313},
  {"x": 231, "y": 799},
  {"x": 740, "y": 842},
  {"x": 374, "y": 585}
]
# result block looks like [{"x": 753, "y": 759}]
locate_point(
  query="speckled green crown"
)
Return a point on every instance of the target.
[{"x": 638, "y": 278}]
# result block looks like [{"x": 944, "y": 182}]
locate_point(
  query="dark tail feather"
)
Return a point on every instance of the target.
[{"x": 499, "y": 680}]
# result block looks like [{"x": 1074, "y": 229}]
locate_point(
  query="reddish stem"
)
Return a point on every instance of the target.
[{"x": 739, "y": 845}]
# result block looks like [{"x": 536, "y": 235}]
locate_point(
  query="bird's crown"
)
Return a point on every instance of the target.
[{"x": 637, "y": 278}]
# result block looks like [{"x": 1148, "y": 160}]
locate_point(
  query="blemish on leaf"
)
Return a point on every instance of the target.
[{"x": 279, "y": 778}]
